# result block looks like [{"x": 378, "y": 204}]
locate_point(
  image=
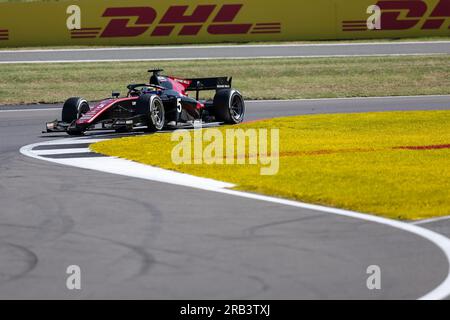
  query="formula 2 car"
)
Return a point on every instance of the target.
[{"x": 162, "y": 103}]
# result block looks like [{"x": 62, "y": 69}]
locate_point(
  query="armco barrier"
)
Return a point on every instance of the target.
[{"x": 121, "y": 22}]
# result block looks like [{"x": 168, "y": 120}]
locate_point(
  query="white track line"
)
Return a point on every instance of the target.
[
  {"x": 426, "y": 221},
  {"x": 137, "y": 170},
  {"x": 356, "y": 98},
  {"x": 226, "y": 46},
  {"x": 124, "y": 167},
  {"x": 71, "y": 141},
  {"x": 61, "y": 151},
  {"x": 224, "y": 58}
]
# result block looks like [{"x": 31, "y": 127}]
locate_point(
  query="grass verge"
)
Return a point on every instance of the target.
[
  {"x": 257, "y": 79},
  {"x": 393, "y": 164}
]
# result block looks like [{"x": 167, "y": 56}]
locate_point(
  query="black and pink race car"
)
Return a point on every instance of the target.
[{"x": 162, "y": 103}]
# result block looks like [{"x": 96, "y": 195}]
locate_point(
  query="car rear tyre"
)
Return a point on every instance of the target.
[
  {"x": 152, "y": 107},
  {"x": 229, "y": 106},
  {"x": 73, "y": 109}
]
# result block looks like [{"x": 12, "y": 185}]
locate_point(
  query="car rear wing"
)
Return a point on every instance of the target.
[{"x": 204, "y": 84}]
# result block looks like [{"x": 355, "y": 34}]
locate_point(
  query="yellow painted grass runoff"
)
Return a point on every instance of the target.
[
  {"x": 255, "y": 78},
  {"x": 349, "y": 161}
]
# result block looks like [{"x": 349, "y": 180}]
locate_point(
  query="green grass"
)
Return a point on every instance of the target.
[
  {"x": 349, "y": 161},
  {"x": 257, "y": 79}
]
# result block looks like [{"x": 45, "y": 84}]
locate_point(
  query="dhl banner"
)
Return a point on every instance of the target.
[{"x": 121, "y": 22}]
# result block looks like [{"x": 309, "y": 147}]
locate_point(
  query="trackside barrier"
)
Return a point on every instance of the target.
[{"x": 140, "y": 22}]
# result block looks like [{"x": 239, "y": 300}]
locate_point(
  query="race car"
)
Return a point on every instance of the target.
[{"x": 163, "y": 103}]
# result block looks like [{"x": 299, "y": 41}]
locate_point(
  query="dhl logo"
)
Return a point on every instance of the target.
[
  {"x": 121, "y": 25},
  {"x": 406, "y": 14},
  {"x": 4, "y": 34}
]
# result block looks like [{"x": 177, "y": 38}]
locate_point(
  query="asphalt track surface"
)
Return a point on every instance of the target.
[
  {"x": 147, "y": 240},
  {"x": 225, "y": 52}
]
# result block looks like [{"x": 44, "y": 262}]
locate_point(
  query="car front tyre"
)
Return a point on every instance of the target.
[
  {"x": 152, "y": 107},
  {"x": 73, "y": 109}
]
